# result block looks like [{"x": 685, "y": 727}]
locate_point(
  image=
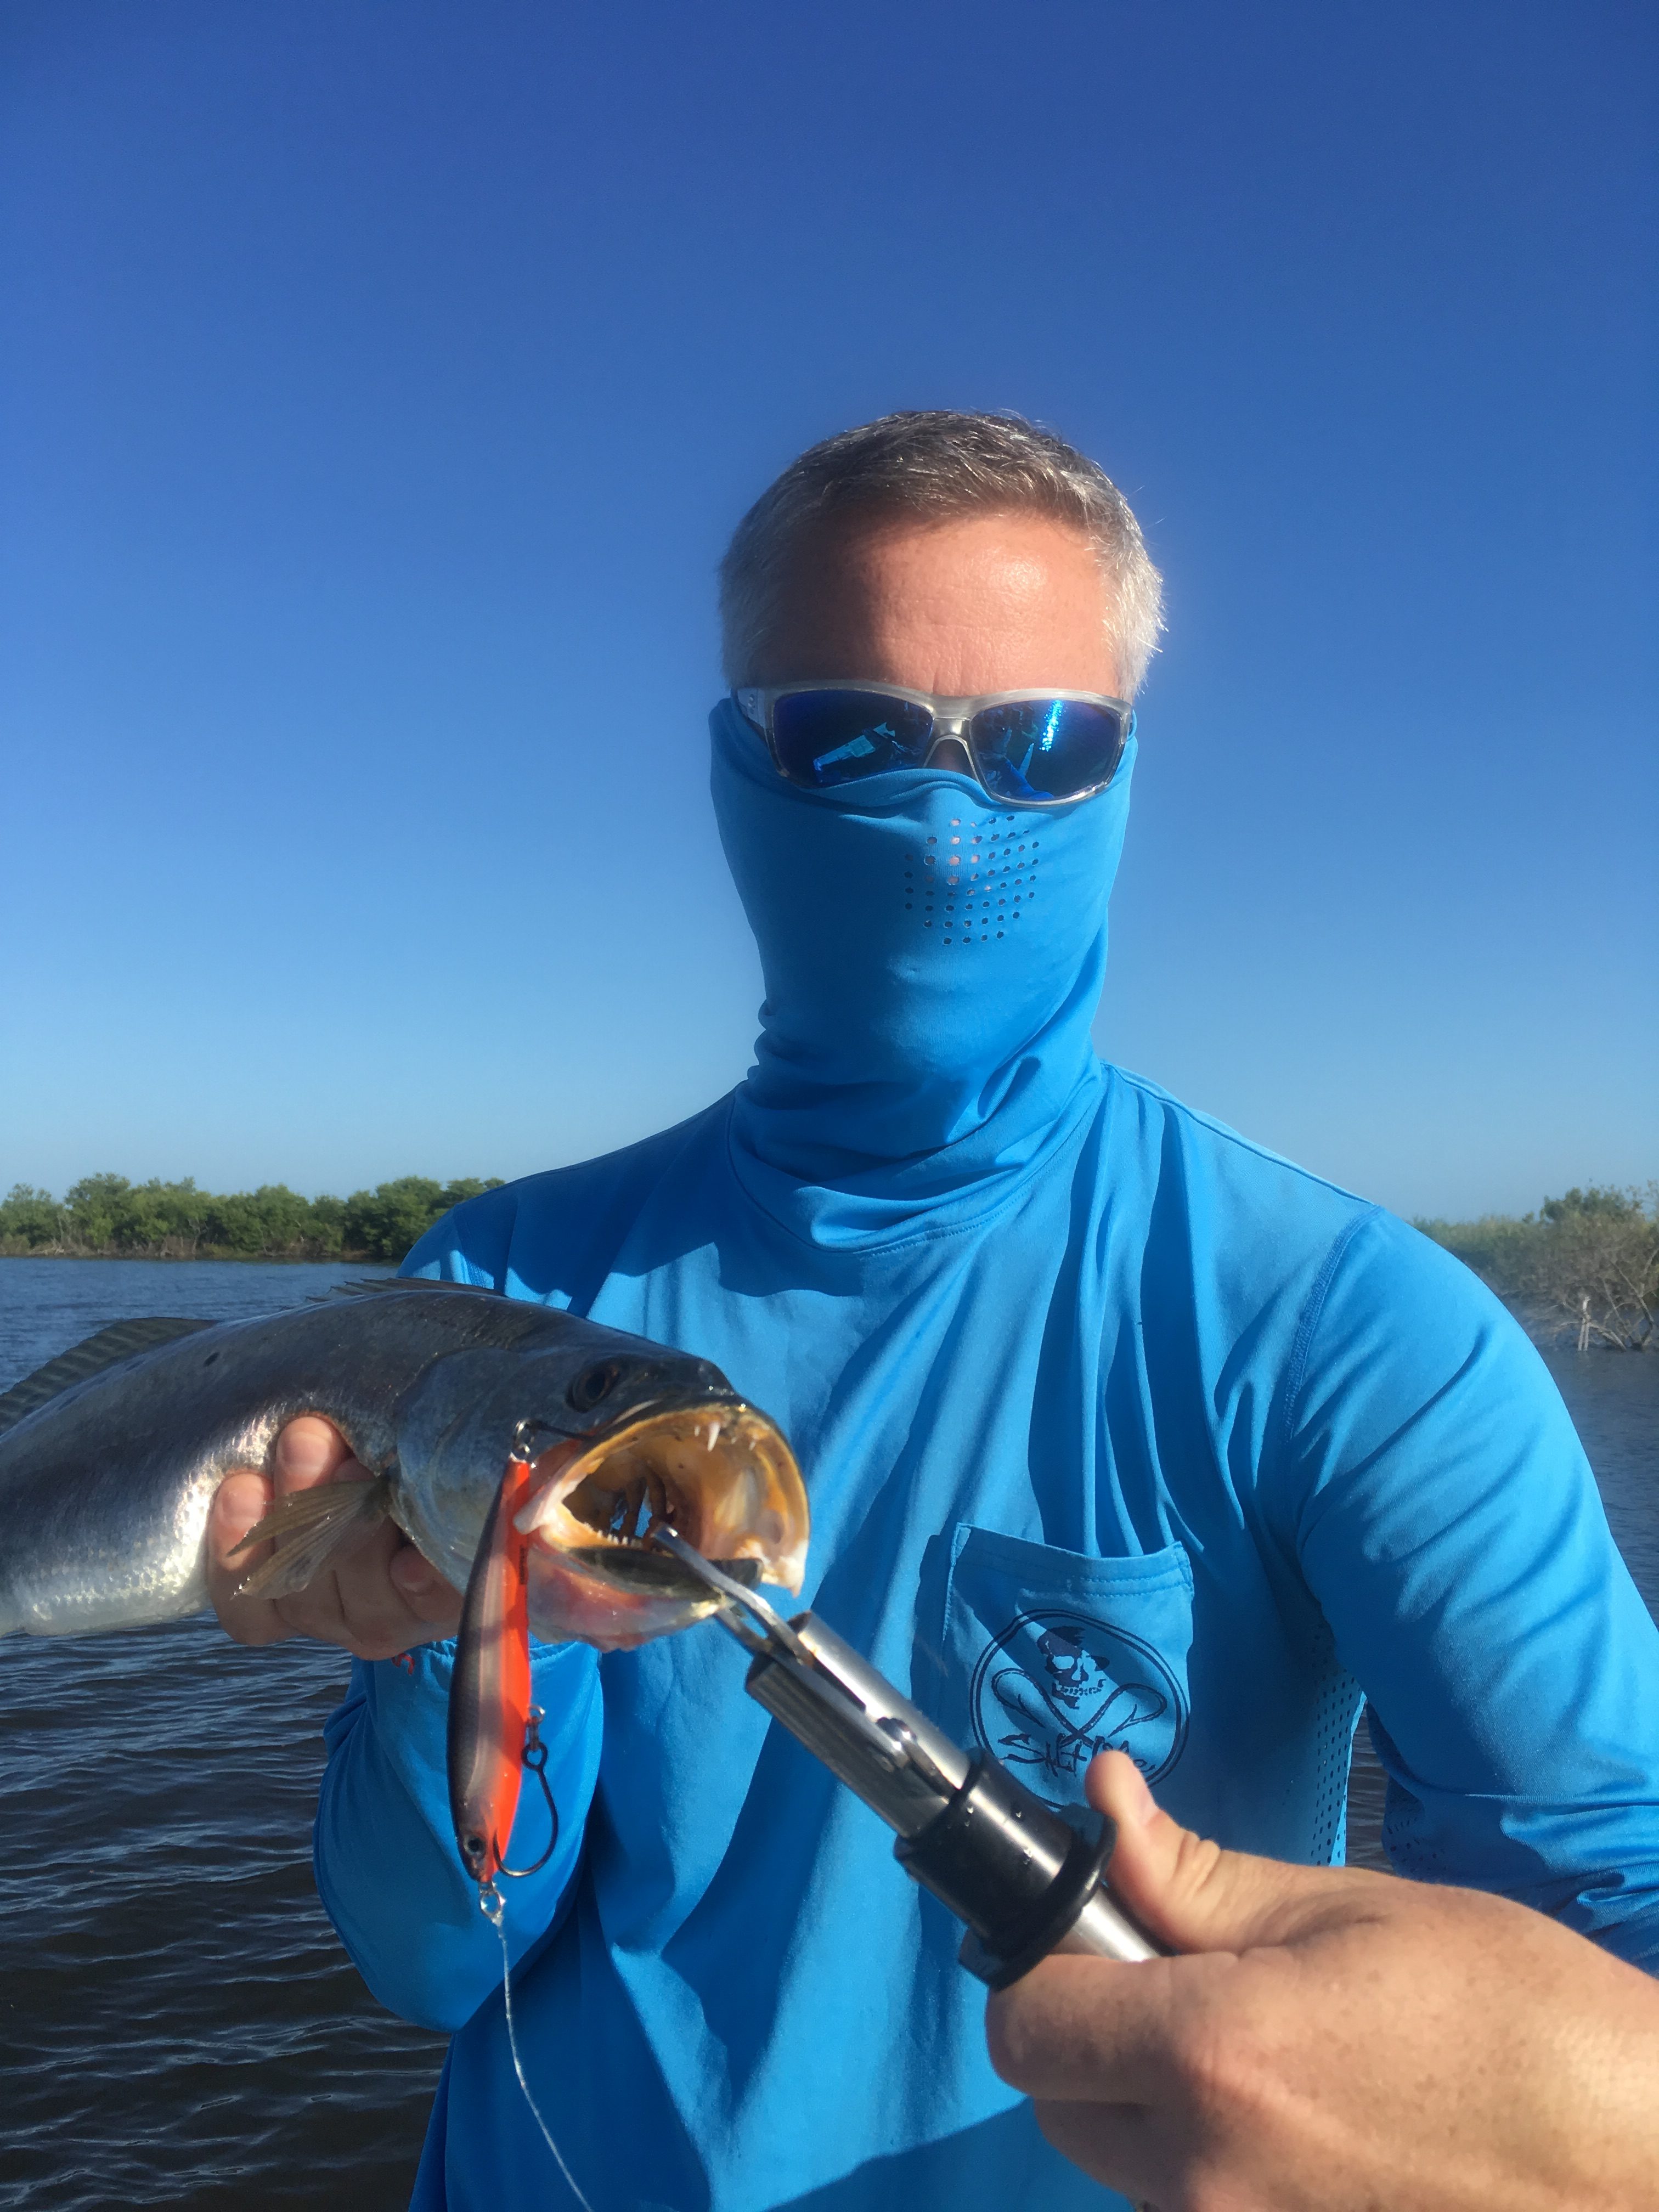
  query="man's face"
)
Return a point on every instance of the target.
[{"x": 979, "y": 603}]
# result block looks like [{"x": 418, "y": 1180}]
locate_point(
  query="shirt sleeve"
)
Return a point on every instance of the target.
[
  {"x": 387, "y": 1869},
  {"x": 468, "y": 1244},
  {"x": 1447, "y": 1522}
]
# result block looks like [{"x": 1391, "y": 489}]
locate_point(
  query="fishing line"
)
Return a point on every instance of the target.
[{"x": 494, "y": 1910}]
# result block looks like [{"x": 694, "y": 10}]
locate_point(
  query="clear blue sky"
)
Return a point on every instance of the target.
[{"x": 380, "y": 380}]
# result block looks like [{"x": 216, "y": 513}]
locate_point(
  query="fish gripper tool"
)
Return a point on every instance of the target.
[{"x": 1026, "y": 1877}]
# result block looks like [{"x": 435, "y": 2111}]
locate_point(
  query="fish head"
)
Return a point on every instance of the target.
[
  {"x": 705, "y": 1463},
  {"x": 622, "y": 1436}
]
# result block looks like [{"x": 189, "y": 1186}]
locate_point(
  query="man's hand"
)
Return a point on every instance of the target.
[
  {"x": 1334, "y": 2041},
  {"x": 378, "y": 1600}
]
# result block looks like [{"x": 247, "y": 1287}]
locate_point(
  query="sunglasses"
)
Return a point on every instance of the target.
[{"x": 1028, "y": 748}]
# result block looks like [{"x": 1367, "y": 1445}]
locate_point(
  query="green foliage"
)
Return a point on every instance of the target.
[
  {"x": 386, "y": 1221},
  {"x": 1492, "y": 1246},
  {"x": 105, "y": 1212},
  {"x": 382, "y": 1224},
  {"x": 107, "y": 1216},
  {"x": 1596, "y": 1204},
  {"x": 1589, "y": 1261},
  {"x": 32, "y": 1216},
  {"x": 272, "y": 1218}
]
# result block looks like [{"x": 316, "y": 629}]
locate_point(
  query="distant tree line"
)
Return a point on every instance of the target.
[
  {"x": 106, "y": 1217},
  {"x": 1588, "y": 1261}
]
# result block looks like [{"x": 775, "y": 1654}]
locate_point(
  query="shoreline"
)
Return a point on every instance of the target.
[
  {"x": 1544, "y": 1331},
  {"x": 217, "y": 1258}
]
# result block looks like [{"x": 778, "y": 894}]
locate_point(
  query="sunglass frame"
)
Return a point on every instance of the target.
[{"x": 952, "y": 722}]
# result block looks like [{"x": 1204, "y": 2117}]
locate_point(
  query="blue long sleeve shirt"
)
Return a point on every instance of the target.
[{"x": 1118, "y": 1432}]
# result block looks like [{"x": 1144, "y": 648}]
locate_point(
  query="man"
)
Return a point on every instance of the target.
[{"x": 1119, "y": 1431}]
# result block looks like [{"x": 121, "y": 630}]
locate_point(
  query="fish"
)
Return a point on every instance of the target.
[{"x": 110, "y": 1457}]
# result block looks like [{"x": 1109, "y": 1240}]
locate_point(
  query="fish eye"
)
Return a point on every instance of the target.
[{"x": 592, "y": 1384}]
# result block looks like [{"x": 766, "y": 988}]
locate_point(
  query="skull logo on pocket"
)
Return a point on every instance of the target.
[{"x": 1055, "y": 1687}]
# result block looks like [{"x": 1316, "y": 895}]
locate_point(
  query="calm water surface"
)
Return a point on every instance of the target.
[{"x": 178, "y": 2025}]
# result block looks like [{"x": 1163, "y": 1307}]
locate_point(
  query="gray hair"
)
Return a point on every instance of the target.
[{"x": 935, "y": 463}]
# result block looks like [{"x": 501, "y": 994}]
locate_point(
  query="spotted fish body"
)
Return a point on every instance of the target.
[{"x": 110, "y": 1458}]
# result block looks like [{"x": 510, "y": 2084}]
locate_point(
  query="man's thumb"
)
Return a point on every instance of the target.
[{"x": 1187, "y": 1891}]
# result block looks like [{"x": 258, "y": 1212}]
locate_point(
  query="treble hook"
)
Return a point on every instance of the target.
[{"x": 534, "y": 1758}]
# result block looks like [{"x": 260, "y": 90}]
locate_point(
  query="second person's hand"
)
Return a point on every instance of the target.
[
  {"x": 1331, "y": 2040},
  {"x": 376, "y": 1601}
]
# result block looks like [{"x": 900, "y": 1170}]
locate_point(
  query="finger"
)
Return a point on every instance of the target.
[
  {"x": 342, "y": 1602},
  {"x": 316, "y": 1611},
  {"x": 355, "y": 1601},
  {"x": 310, "y": 1451},
  {"x": 362, "y": 1607},
  {"x": 1197, "y": 1897},
  {"x": 242, "y": 1499},
  {"x": 379, "y": 1617},
  {"x": 1116, "y": 2144},
  {"x": 1083, "y": 2028},
  {"x": 430, "y": 1595}
]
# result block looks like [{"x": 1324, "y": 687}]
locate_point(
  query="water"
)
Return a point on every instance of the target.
[{"x": 178, "y": 2025}]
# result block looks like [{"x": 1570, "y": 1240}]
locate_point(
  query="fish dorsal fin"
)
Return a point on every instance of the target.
[{"x": 107, "y": 1349}]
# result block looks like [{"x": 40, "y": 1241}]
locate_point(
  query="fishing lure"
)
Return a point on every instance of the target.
[{"x": 494, "y": 1732}]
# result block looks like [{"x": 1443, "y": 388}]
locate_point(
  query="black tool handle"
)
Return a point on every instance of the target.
[{"x": 1025, "y": 1879}]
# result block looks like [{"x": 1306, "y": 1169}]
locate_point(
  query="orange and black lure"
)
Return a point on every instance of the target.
[{"x": 494, "y": 1730}]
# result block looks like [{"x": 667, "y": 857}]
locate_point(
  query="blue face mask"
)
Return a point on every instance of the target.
[{"x": 933, "y": 964}]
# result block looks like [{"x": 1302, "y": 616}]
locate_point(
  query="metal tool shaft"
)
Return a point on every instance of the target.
[
  {"x": 1025, "y": 1878},
  {"x": 1104, "y": 1930}
]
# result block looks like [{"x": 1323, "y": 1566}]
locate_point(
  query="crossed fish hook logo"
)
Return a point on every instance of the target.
[{"x": 1072, "y": 1710}]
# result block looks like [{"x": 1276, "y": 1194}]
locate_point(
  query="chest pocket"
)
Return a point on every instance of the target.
[{"x": 1050, "y": 1658}]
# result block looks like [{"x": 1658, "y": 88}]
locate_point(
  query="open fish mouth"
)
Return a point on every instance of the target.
[{"x": 719, "y": 1473}]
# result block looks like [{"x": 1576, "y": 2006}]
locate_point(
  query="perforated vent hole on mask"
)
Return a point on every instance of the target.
[
  {"x": 968, "y": 917},
  {"x": 993, "y": 854}
]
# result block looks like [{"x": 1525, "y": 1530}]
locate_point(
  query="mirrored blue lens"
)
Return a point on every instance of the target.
[
  {"x": 825, "y": 737},
  {"x": 1048, "y": 748}
]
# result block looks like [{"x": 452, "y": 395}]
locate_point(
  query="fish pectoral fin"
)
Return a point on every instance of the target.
[{"x": 310, "y": 1527}]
